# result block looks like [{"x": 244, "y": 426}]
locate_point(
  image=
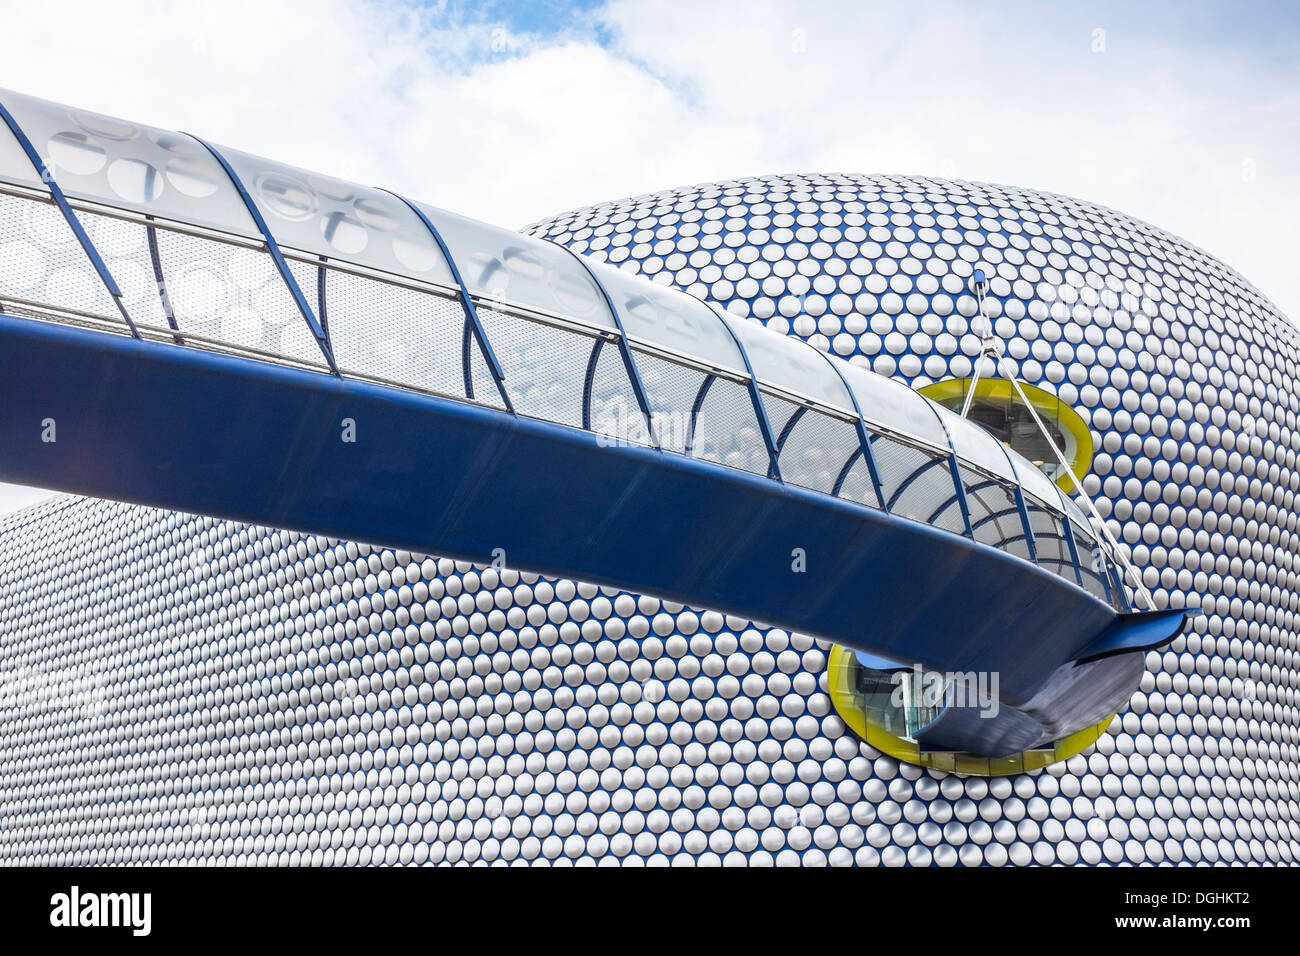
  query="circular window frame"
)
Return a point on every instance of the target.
[
  {"x": 1079, "y": 448},
  {"x": 839, "y": 673}
]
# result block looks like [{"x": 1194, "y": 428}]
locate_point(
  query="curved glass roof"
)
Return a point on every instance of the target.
[
  {"x": 15, "y": 167},
  {"x": 547, "y": 317},
  {"x": 340, "y": 220},
  {"x": 129, "y": 166},
  {"x": 1032, "y": 480},
  {"x": 789, "y": 364},
  {"x": 974, "y": 444},
  {"x": 510, "y": 268},
  {"x": 893, "y": 405},
  {"x": 669, "y": 319}
]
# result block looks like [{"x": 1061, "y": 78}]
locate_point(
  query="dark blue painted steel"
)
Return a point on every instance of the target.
[
  {"x": 588, "y": 381},
  {"x": 251, "y": 441},
  {"x": 71, "y": 217},
  {"x": 790, "y": 423},
  {"x": 696, "y": 405},
  {"x": 1136, "y": 631},
  {"x": 1068, "y": 525},
  {"x": 959, "y": 487}
]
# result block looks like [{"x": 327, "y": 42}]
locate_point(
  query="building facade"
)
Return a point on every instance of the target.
[{"x": 179, "y": 688}]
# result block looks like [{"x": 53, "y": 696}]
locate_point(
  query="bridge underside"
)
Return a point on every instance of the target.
[{"x": 215, "y": 434}]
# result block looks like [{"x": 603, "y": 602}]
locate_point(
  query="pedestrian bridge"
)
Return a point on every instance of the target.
[{"x": 191, "y": 327}]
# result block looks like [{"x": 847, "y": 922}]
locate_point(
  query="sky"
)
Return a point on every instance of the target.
[{"x": 1183, "y": 114}]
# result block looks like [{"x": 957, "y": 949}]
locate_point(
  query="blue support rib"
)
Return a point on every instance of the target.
[
  {"x": 1068, "y": 526},
  {"x": 868, "y": 455},
  {"x": 1118, "y": 583},
  {"x": 588, "y": 382},
  {"x": 700, "y": 396},
  {"x": 1024, "y": 520},
  {"x": 956, "y": 481},
  {"x": 844, "y": 472},
  {"x": 471, "y": 313},
  {"x": 910, "y": 479},
  {"x": 760, "y": 410},
  {"x": 790, "y": 422},
  {"x": 300, "y": 300},
  {"x": 1020, "y": 504},
  {"x": 155, "y": 258},
  {"x": 638, "y": 389},
  {"x": 320, "y": 298},
  {"x": 1104, "y": 574},
  {"x": 74, "y": 223}
]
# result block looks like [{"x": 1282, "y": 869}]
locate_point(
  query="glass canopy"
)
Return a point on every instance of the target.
[
  {"x": 544, "y": 313},
  {"x": 129, "y": 166},
  {"x": 513, "y": 269},
  {"x": 340, "y": 220}
]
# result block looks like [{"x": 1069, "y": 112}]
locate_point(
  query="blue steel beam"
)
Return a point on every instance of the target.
[{"x": 243, "y": 439}]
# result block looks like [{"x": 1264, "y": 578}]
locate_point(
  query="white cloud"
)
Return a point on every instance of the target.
[{"x": 497, "y": 123}]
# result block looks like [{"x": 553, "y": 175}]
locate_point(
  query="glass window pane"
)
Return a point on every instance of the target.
[
  {"x": 815, "y": 450},
  {"x": 1031, "y": 478},
  {"x": 1049, "y": 539},
  {"x": 975, "y": 445},
  {"x": 917, "y": 484},
  {"x": 1091, "y": 563},
  {"x": 671, "y": 320},
  {"x": 15, "y": 167},
  {"x": 509, "y": 267},
  {"x": 790, "y": 364},
  {"x": 1072, "y": 509},
  {"x": 395, "y": 333},
  {"x": 133, "y": 167},
  {"x": 894, "y": 405},
  {"x": 341, "y": 220},
  {"x": 545, "y": 367},
  {"x": 43, "y": 266},
  {"x": 233, "y": 295}
]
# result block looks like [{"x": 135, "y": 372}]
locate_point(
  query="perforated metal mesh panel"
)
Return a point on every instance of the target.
[
  {"x": 779, "y": 413},
  {"x": 994, "y": 517},
  {"x": 671, "y": 390},
  {"x": 917, "y": 484},
  {"x": 857, "y": 483},
  {"x": 481, "y": 378},
  {"x": 727, "y": 429},
  {"x": 815, "y": 450},
  {"x": 42, "y": 262},
  {"x": 124, "y": 247},
  {"x": 614, "y": 409},
  {"x": 307, "y": 276},
  {"x": 233, "y": 295},
  {"x": 1049, "y": 539},
  {"x": 390, "y": 332},
  {"x": 545, "y": 367}
]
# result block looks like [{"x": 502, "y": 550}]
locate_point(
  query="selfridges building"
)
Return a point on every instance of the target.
[{"x": 181, "y": 688}]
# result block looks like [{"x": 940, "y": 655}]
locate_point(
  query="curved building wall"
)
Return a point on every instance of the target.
[{"x": 182, "y": 688}]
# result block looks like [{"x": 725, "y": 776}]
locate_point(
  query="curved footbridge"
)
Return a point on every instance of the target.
[{"x": 189, "y": 327}]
